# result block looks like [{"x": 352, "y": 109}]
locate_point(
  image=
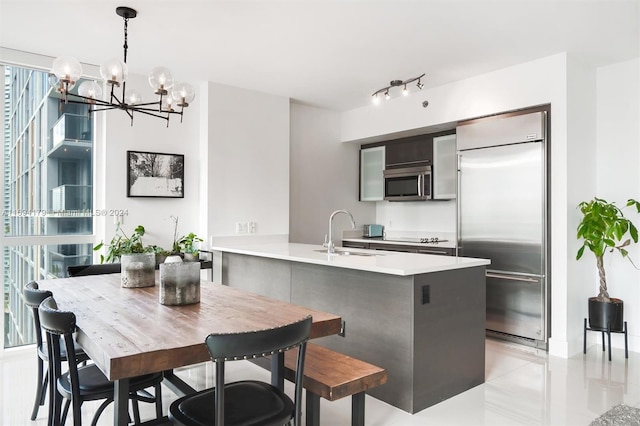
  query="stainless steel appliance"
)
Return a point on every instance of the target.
[
  {"x": 372, "y": 231},
  {"x": 502, "y": 211},
  {"x": 408, "y": 184}
]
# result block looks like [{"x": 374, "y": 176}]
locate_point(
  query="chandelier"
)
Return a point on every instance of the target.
[
  {"x": 67, "y": 70},
  {"x": 396, "y": 83}
]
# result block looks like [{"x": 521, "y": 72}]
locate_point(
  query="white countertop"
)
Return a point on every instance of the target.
[{"x": 385, "y": 262}]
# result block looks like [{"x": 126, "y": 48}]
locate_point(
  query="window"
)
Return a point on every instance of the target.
[{"x": 47, "y": 191}]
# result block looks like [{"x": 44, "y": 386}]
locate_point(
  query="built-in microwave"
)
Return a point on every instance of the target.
[{"x": 408, "y": 184}]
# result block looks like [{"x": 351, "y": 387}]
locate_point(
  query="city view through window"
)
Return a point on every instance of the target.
[{"x": 47, "y": 191}]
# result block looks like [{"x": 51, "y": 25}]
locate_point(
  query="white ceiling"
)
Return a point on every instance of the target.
[{"x": 330, "y": 53}]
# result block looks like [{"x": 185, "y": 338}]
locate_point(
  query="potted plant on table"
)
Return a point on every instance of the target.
[
  {"x": 138, "y": 261},
  {"x": 161, "y": 253},
  {"x": 604, "y": 228},
  {"x": 185, "y": 245}
]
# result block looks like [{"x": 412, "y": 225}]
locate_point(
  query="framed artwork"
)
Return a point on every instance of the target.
[{"x": 154, "y": 174}]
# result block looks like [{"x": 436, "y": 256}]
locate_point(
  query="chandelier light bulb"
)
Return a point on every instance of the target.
[
  {"x": 375, "y": 99},
  {"x": 133, "y": 97},
  {"x": 405, "y": 92},
  {"x": 183, "y": 94},
  {"x": 90, "y": 89},
  {"x": 387, "y": 95},
  {"x": 167, "y": 103},
  {"x": 114, "y": 72},
  {"x": 67, "y": 68},
  {"x": 420, "y": 85},
  {"x": 161, "y": 80}
]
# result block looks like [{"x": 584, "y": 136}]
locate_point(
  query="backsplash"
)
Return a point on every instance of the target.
[{"x": 428, "y": 217}]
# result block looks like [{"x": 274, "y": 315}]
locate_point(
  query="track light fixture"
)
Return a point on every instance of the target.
[
  {"x": 67, "y": 70},
  {"x": 396, "y": 83}
]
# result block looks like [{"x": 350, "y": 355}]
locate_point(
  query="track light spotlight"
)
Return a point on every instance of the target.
[
  {"x": 396, "y": 83},
  {"x": 375, "y": 99}
]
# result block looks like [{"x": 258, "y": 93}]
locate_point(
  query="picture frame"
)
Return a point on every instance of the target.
[{"x": 155, "y": 174}]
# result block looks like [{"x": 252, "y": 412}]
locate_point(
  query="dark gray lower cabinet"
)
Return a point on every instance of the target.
[{"x": 427, "y": 330}]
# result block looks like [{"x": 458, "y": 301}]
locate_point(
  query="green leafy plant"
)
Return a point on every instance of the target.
[
  {"x": 187, "y": 242},
  {"x": 122, "y": 243},
  {"x": 604, "y": 228}
]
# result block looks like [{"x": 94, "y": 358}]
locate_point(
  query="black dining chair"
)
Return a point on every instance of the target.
[
  {"x": 248, "y": 402},
  {"x": 33, "y": 296},
  {"x": 87, "y": 383},
  {"x": 94, "y": 269}
]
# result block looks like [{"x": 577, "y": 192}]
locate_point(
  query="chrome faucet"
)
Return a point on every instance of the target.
[{"x": 328, "y": 242}]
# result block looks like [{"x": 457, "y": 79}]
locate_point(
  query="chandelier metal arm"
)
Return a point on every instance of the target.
[{"x": 97, "y": 105}]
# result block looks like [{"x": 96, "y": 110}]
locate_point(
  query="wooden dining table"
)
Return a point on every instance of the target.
[{"x": 127, "y": 332}]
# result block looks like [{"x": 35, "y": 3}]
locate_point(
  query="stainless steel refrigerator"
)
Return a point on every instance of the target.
[{"x": 502, "y": 216}]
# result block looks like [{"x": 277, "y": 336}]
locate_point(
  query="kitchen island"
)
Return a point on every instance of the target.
[{"x": 422, "y": 317}]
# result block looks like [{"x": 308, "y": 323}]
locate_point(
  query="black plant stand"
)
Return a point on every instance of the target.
[{"x": 603, "y": 331}]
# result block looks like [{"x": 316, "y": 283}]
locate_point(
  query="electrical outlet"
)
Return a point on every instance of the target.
[
  {"x": 251, "y": 227},
  {"x": 343, "y": 329},
  {"x": 241, "y": 227}
]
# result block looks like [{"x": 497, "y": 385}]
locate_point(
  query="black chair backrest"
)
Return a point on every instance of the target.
[
  {"x": 237, "y": 346},
  {"x": 95, "y": 269},
  {"x": 57, "y": 324},
  {"x": 33, "y": 297}
]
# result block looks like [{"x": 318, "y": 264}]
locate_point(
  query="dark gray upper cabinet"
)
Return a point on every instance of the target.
[
  {"x": 434, "y": 149},
  {"x": 411, "y": 151}
]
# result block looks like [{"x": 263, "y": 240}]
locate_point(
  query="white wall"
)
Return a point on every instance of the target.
[
  {"x": 618, "y": 177},
  {"x": 245, "y": 152},
  {"x": 428, "y": 218},
  {"x": 147, "y": 134},
  {"x": 324, "y": 176},
  {"x": 580, "y": 185},
  {"x": 533, "y": 83}
]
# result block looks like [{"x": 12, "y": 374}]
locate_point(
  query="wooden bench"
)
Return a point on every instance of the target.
[{"x": 332, "y": 375}]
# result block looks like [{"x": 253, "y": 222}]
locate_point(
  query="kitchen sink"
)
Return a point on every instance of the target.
[{"x": 348, "y": 253}]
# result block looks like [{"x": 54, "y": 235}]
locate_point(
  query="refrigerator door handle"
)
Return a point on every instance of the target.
[{"x": 512, "y": 277}]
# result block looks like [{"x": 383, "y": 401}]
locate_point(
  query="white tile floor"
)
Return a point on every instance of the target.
[{"x": 523, "y": 387}]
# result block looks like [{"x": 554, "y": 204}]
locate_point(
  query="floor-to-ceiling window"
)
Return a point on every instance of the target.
[{"x": 47, "y": 191}]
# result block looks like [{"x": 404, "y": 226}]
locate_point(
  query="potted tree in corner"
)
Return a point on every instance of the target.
[{"x": 604, "y": 228}]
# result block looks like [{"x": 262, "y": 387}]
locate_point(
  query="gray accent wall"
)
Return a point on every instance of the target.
[{"x": 324, "y": 176}]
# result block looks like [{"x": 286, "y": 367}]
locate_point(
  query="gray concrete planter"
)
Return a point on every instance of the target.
[
  {"x": 138, "y": 270},
  {"x": 180, "y": 283}
]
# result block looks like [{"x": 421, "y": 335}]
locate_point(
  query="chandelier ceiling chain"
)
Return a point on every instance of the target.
[
  {"x": 396, "y": 83},
  {"x": 67, "y": 71}
]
